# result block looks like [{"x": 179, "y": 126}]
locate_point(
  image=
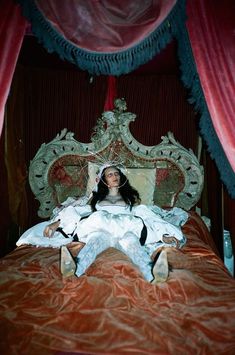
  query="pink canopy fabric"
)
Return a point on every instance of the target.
[
  {"x": 105, "y": 26},
  {"x": 211, "y": 27},
  {"x": 12, "y": 30}
]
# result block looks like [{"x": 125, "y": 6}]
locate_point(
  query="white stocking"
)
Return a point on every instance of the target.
[
  {"x": 96, "y": 243},
  {"x": 130, "y": 245}
]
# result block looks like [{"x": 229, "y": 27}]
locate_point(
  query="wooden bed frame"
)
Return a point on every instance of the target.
[{"x": 60, "y": 167}]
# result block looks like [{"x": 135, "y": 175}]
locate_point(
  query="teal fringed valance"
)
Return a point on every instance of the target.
[{"x": 121, "y": 57}]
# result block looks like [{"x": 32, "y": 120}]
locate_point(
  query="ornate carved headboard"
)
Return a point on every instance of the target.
[{"x": 60, "y": 168}]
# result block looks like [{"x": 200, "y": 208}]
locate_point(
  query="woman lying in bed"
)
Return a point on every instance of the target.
[{"x": 115, "y": 218}]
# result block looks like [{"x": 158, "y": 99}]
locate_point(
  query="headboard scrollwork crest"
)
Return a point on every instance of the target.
[{"x": 62, "y": 163}]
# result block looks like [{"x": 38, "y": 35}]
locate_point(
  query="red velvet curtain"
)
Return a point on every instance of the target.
[
  {"x": 12, "y": 30},
  {"x": 211, "y": 28}
]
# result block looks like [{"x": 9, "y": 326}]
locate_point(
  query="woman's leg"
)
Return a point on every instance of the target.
[
  {"x": 130, "y": 245},
  {"x": 96, "y": 243}
]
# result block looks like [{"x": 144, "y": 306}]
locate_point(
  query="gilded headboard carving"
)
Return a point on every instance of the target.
[{"x": 60, "y": 167}]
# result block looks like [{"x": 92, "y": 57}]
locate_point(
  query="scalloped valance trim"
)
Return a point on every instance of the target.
[
  {"x": 190, "y": 79},
  {"x": 96, "y": 63}
]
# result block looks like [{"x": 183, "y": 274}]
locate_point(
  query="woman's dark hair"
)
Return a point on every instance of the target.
[{"x": 128, "y": 193}]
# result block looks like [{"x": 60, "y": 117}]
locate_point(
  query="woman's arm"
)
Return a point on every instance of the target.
[{"x": 68, "y": 219}]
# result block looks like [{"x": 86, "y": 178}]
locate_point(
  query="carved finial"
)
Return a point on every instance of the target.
[
  {"x": 60, "y": 135},
  {"x": 120, "y": 105}
]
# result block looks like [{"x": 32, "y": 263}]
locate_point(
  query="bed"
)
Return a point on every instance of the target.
[{"x": 112, "y": 309}]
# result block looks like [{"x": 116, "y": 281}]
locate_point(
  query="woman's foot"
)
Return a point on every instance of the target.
[
  {"x": 161, "y": 268},
  {"x": 67, "y": 263}
]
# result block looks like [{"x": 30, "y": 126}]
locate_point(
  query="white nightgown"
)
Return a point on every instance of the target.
[{"x": 112, "y": 226}]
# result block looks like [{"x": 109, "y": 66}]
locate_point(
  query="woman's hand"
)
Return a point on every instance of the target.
[{"x": 50, "y": 229}]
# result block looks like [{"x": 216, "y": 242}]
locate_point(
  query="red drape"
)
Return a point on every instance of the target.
[
  {"x": 111, "y": 94},
  {"x": 211, "y": 27},
  {"x": 12, "y": 29}
]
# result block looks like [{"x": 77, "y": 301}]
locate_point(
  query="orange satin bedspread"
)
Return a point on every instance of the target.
[{"x": 112, "y": 309}]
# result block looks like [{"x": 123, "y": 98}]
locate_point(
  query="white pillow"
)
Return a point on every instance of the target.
[{"x": 142, "y": 179}]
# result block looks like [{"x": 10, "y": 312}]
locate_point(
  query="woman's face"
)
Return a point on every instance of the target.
[{"x": 112, "y": 177}]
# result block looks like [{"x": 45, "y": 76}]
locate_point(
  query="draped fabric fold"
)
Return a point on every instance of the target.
[
  {"x": 12, "y": 30},
  {"x": 192, "y": 81},
  {"x": 111, "y": 94},
  {"x": 211, "y": 28}
]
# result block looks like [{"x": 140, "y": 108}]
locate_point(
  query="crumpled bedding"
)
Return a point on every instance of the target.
[
  {"x": 112, "y": 309},
  {"x": 72, "y": 214}
]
